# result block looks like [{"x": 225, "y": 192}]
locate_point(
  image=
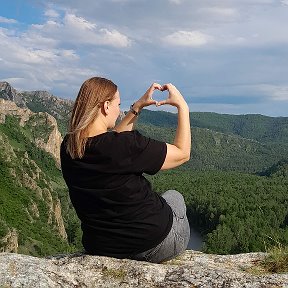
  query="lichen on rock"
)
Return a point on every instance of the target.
[{"x": 191, "y": 269}]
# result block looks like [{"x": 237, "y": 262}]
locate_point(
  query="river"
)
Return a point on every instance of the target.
[{"x": 196, "y": 240}]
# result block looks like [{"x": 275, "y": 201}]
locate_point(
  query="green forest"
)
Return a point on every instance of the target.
[
  {"x": 235, "y": 184},
  {"x": 235, "y": 212},
  {"x": 20, "y": 157}
]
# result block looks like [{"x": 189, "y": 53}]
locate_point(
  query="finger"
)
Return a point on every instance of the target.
[
  {"x": 166, "y": 86},
  {"x": 163, "y": 102},
  {"x": 154, "y": 86},
  {"x": 152, "y": 101},
  {"x": 151, "y": 90}
]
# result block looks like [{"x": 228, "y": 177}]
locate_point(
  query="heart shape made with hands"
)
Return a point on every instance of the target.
[{"x": 158, "y": 96}]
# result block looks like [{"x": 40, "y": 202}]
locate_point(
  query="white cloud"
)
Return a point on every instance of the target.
[
  {"x": 45, "y": 55},
  {"x": 78, "y": 31},
  {"x": 219, "y": 11},
  {"x": 120, "y": 1},
  {"x": 51, "y": 13},
  {"x": 276, "y": 92},
  {"x": 7, "y": 20},
  {"x": 28, "y": 66},
  {"x": 176, "y": 1},
  {"x": 114, "y": 38},
  {"x": 187, "y": 38},
  {"x": 79, "y": 23},
  {"x": 284, "y": 2},
  {"x": 78, "y": 41}
]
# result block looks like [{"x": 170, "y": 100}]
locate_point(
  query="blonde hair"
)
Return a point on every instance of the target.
[{"x": 93, "y": 92}]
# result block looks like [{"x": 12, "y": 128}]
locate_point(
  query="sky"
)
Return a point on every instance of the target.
[{"x": 227, "y": 56}]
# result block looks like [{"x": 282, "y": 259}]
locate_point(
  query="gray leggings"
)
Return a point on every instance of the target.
[{"x": 177, "y": 239}]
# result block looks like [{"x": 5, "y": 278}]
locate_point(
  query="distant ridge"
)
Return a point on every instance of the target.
[
  {"x": 262, "y": 128},
  {"x": 247, "y": 143}
]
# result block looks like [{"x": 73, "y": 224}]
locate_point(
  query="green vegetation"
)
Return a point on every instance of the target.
[
  {"x": 276, "y": 261},
  {"x": 252, "y": 126},
  {"x": 25, "y": 201},
  {"x": 114, "y": 273},
  {"x": 236, "y": 212},
  {"x": 71, "y": 221},
  {"x": 217, "y": 151},
  {"x": 41, "y": 101},
  {"x": 39, "y": 127},
  {"x": 35, "y": 236}
]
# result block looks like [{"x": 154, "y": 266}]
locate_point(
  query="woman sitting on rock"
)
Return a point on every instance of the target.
[{"x": 121, "y": 216}]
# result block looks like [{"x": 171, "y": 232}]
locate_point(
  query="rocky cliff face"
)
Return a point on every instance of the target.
[
  {"x": 192, "y": 269},
  {"x": 7, "y": 92},
  {"x": 26, "y": 173},
  {"x": 43, "y": 205},
  {"x": 51, "y": 141},
  {"x": 9, "y": 243},
  {"x": 46, "y": 102},
  {"x": 39, "y": 101}
]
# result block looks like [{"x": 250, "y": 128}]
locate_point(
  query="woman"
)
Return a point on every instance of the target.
[{"x": 120, "y": 214}]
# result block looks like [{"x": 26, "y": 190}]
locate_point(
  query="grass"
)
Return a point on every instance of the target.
[
  {"x": 276, "y": 261},
  {"x": 117, "y": 273}
]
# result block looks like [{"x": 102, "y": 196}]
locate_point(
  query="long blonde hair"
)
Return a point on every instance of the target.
[{"x": 92, "y": 93}]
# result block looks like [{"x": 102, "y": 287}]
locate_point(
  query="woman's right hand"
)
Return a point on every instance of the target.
[{"x": 174, "y": 97}]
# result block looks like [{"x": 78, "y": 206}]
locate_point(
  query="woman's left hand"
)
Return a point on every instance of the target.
[{"x": 146, "y": 99}]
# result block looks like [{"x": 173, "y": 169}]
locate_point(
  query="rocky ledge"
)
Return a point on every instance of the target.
[{"x": 192, "y": 269}]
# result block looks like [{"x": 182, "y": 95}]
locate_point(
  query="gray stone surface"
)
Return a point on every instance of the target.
[{"x": 192, "y": 269}]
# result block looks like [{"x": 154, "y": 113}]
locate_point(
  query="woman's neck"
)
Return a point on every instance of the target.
[{"x": 95, "y": 128}]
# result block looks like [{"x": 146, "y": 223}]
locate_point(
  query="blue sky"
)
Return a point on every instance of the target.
[{"x": 228, "y": 56}]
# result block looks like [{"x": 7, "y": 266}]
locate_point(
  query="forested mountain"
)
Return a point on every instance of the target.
[
  {"x": 251, "y": 126},
  {"x": 213, "y": 150},
  {"x": 39, "y": 101},
  {"x": 35, "y": 212},
  {"x": 235, "y": 210}
]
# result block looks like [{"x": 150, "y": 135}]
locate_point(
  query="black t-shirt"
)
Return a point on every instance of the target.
[{"x": 120, "y": 214}]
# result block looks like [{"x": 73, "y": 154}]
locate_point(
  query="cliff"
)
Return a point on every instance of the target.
[
  {"x": 192, "y": 269},
  {"x": 39, "y": 101},
  {"x": 51, "y": 141},
  {"x": 30, "y": 181},
  {"x": 7, "y": 92}
]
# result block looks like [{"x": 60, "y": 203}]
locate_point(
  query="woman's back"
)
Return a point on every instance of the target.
[{"x": 114, "y": 201}]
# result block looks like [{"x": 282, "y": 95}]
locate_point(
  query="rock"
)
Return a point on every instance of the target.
[
  {"x": 7, "y": 92},
  {"x": 192, "y": 269},
  {"x": 9, "y": 243},
  {"x": 59, "y": 220},
  {"x": 51, "y": 142}
]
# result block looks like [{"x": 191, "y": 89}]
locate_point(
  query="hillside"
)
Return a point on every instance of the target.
[
  {"x": 33, "y": 193},
  {"x": 245, "y": 143},
  {"x": 39, "y": 101},
  {"x": 212, "y": 150},
  {"x": 251, "y": 126},
  {"x": 236, "y": 212}
]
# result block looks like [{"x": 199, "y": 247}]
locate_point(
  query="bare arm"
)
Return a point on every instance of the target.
[
  {"x": 178, "y": 152},
  {"x": 128, "y": 122}
]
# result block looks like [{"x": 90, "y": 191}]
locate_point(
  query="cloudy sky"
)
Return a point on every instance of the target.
[{"x": 227, "y": 56}]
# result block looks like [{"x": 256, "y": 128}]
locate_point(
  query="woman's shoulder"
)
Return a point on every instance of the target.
[{"x": 114, "y": 137}]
